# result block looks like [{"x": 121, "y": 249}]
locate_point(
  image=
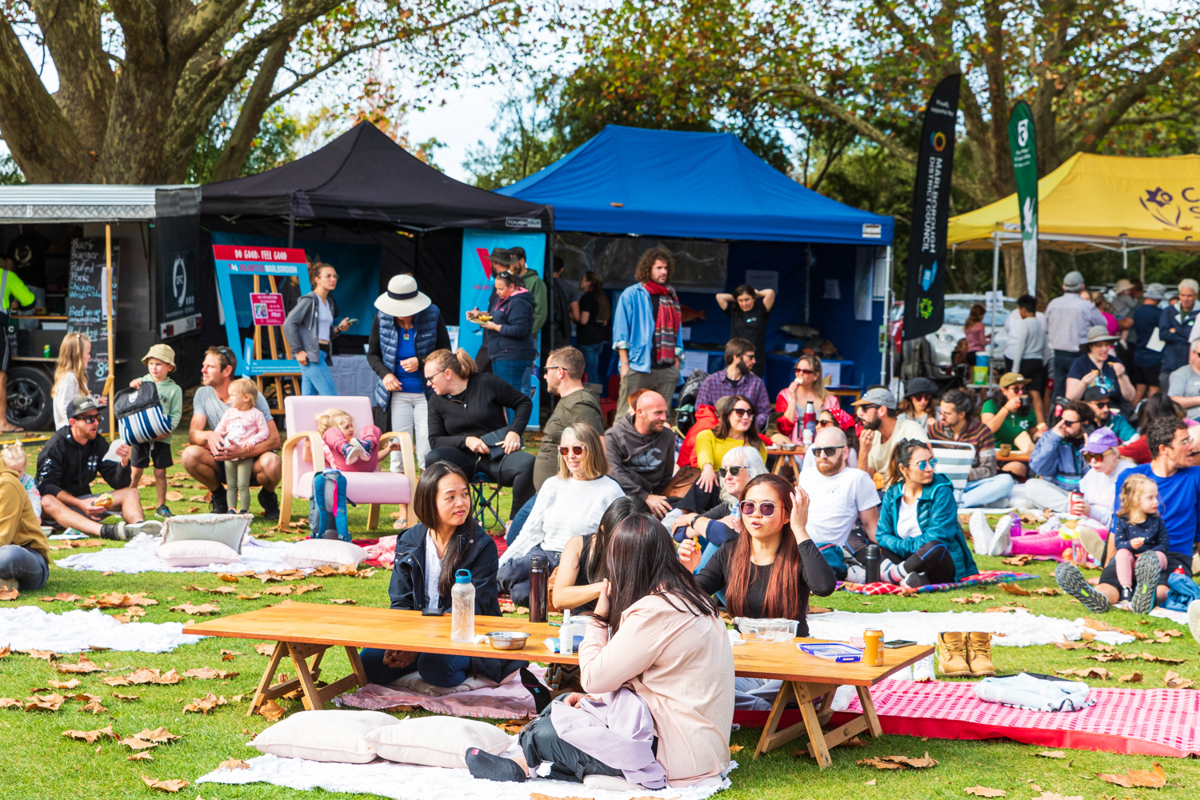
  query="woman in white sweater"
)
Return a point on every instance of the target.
[{"x": 569, "y": 504}]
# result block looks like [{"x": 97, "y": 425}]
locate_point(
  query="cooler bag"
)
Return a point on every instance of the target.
[{"x": 140, "y": 415}]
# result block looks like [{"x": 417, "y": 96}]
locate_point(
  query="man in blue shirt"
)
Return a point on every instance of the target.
[{"x": 1178, "y": 499}]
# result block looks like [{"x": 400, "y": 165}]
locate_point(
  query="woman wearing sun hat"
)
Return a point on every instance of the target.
[
  {"x": 407, "y": 328},
  {"x": 1098, "y": 367}
]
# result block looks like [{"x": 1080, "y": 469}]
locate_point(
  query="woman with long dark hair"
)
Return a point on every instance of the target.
[
  {"x": 737, "y": 428},
  {"x": 584, "y": 565},
  {"x": 656, "y": 645},
  {"x": 428, "y": 555}
]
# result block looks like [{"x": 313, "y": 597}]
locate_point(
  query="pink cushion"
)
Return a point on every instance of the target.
[{"x": 384, "y": 488}]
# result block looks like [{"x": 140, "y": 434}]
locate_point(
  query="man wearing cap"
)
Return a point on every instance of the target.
[
  {"x": 205, "y": 456},
  {"x": 68, "y": 464},
  {"x": 1056, "y": 459},
  {"x": 1068, "y": 319},
  {"x": 1099, "y": 399},
  {"x": 407, "y": 328},
  {"x": 1184, "y": 387},
  {"x": 648, "y": 330},
  {"x": 1011, "y": 419},
  {"x": 1147, "y": 361},
  {"x": 882, "y": 431},
  {"x": 1098, "y": 367},
  {"x": 1176, "y": 327},
  {"x": 986, "y": 484}
]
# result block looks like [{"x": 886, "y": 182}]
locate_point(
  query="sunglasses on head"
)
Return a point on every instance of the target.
[
  {"x": 766, "y": 508},
  {"x": 742, "y": 412},
  {"x": 577, "y": 449},
  {"x": 825, "y": 452},
  {"x": 734, "y": 471}
]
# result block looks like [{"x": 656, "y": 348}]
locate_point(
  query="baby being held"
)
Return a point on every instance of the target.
[{"x": 244, "y": 425}]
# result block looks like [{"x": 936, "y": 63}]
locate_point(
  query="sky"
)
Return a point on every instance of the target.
[{"x": 460, "y": 125}]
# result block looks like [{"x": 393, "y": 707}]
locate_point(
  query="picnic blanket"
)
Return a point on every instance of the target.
[
  {"x": 509, "y": 700},
  {"x": 387, "y": 779},
  {"x": 1010, "y": 628},
  {"x": 31, "y": 628},
  {"x": 983, "y": 578},
  {"x": 138, "y": 555},
  {"x": 1158, "y": 722}
]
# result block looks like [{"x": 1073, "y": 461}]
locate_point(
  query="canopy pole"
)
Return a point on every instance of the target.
[
  {"x": 885, "y": 367},
  {"x": 291, "y": 229},
  {"x": 1124, "y": 257},
  {"x": 995, "y": 302},
  {"x": 1142, "y": 274}
]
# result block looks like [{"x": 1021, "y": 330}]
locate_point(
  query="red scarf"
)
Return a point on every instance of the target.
[{"x": 666, "y": 324}]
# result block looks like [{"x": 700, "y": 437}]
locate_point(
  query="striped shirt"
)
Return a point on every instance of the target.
[{"x": 1068, "y": 319}]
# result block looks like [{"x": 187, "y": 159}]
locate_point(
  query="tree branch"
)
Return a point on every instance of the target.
[
  {"x": 71, "y": 32},
  {"x": 237, "y": 148},
  {"x": 198, "y": 27},
  {"x": 144, "y": 41}
]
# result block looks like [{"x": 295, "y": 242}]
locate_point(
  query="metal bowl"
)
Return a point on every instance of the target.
[{"x": 507, "y": 640}]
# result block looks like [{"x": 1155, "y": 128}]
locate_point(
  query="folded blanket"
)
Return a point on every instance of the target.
[
  {"x": 31, "y": 628},
  {"x": 1035, "y": 692},
  {"x": 988, "y": 576}
]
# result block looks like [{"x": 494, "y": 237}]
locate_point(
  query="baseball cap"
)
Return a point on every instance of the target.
[
  {"x": 877, "y": 397},
  {"x": 1099, "y": 441},
  {"x": 1073, "y": 281},
  {"x": 80, "y": 406},
  {"x": 1094, "y": 393},
  {"x": 1009, "y": 378}
]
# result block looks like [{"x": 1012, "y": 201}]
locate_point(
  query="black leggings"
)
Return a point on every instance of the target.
[
  {"x": 932, "y": 562},
  {"x": 514, "y": 469}
]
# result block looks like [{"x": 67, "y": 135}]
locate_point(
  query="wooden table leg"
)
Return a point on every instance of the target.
[
  {"x": 260, "y": 694},
  {"x": 300, "y": 654},
  {"x": 868, "y": 707},
  {"x": 357, "y": 665},
  {"x": 813, "y": 721},
  {"x": 817, "y": 747}
]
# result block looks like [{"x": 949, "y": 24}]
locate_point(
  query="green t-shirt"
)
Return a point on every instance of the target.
[{"x": 1014, "y": 424}]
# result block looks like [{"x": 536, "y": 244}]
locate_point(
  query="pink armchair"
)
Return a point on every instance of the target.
[{"x": 300, "y": 463}]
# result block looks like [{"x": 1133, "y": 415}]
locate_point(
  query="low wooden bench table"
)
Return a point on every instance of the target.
[{"x": 307, "y": 630}]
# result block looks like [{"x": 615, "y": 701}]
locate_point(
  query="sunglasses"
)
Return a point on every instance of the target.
[
  {"x": 867, "y": 408},
  {"x": 734, "y": 471},
  {"x": 548, "y": 367},
  {"x": 825, "y": 452},
  {"x": 1102, "y": 405},
  {"x": 1094, "y": 456},
  {"x": 743, "y": 412},
  {"x": 825, "y": 423},
  {"x": 1071, "y": 421},
  {"x": 926, "y": 464},
  {"x": 89, "y": 418},
  {"x": 577, "y": 449},
  {"x": 800, "y": 371},
  {"x": 766, "y": 508}
]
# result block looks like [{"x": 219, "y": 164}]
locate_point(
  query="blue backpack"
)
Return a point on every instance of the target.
[{"x": 327, "y": 516}]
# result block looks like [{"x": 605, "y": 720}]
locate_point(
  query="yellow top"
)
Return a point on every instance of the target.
[{"x": 711, "y": 450}]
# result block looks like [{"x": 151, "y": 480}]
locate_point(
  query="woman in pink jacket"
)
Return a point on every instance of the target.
[{"x": 658, "y": 669}]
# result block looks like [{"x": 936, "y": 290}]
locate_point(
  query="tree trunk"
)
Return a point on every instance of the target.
[{"x": 1013, "y": 264}]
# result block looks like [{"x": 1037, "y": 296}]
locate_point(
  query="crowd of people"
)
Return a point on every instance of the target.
[{"x": 651, "y": 534}]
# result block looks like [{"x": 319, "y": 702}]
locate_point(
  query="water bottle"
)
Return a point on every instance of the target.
[
  {"x": 810, "y": 423},
  {"x": 462, "y": 608},
  {"x": 539, "y": 571},
  {"x": 873, "y": 558}
]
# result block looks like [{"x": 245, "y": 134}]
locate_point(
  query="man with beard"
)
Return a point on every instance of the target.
[
  {"x": 882, "y": 431},
  {"x": 648, "y": 330},
  {"x": 985, "y": 483},
  {"x": 641, "y": 452},
  {"x": 1056, "y": 459},
  {"x": 738, "y": 378},
  {"x": 1099, "y": 399},
  {"x": 564, "y": 377},
  {"x": 839, "y": 495}
]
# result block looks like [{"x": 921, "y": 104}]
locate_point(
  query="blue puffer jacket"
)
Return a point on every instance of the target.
[
  {"x": 381, "y": 350},
  {"x": 514, "y": 340},
  {"x": 937, "y": 514}
]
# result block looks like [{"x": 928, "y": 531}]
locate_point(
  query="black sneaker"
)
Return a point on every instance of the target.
[
  {"x": 1126, "y": 595},
  {"x": 164, "y": 512},
  {"x": 115, "y": 532},
  {"x": 219, "y": 504},
  {"x": 270, "y": 504},
  {"x": 1145, "y": 574},
  {"x": 1071, "y": 581}
]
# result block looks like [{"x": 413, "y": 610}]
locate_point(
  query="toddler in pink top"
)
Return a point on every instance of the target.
[
  {"x": 245, "y": 425},
  {"x": 346, "y": 452}
]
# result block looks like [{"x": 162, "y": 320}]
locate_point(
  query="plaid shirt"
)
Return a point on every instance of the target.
[
  {"x": 1068, "y": 319},
  {"x": 978, "y": 435},
  {"x": 750, "y": 386}
]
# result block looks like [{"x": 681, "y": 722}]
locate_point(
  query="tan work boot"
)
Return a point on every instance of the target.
[
  {"x": 952, "y": 654},
  {"x": 979, "y": 654}
]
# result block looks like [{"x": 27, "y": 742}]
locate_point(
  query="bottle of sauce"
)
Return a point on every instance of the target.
[
  {"x": 462, "y": 608},
  {"x": 539, "y": 572}
]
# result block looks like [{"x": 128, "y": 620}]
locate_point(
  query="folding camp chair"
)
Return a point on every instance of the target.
[
  {"x": 954, "y": 461},
  {"x": 485, "y": 499}
]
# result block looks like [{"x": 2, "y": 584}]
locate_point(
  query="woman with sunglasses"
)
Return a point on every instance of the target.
[
  {"x": 1010, "y": 415},
  {"x": 917, "y": 403},
  {"x": 829, "y": 419},
  {"x": 738, "y": 468},
  {"x": 807, "y": 387},
  {"x": 737, "y": 428},
  {"x": 918, "y": 531},
  {"x": 569, "y": 504}
]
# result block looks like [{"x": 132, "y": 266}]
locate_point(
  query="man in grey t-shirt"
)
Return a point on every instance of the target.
[
  {"x": 1184, "y": 385},
  {"x": 203, "y": 456}
]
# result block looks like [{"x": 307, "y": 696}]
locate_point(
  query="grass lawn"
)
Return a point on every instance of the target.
[{"x": 39, "y": 761}]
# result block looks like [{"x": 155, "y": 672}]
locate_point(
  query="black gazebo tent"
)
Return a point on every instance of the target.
[{"x": 364, "y": 188}]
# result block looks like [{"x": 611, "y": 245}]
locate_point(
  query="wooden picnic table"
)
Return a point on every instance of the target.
[
  {"x": 783, "y": 455},
  {"x": 1013, "y": 456},
  {"x": 306, "y": 630}
]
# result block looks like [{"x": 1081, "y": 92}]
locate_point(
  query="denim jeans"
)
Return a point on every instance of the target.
[
  {"x": 987, "y": 491},
  {"x": 513, "y": 575},
  {"x": 410, "y": 412},
  {"x": 591, "y": 362},
  {"x": 316, "y": 379},
  {"x": 1060, "y": 365},
  {"x": 436, "y": 670},
  {"x": 22, "y": 565},
  {"x": 515, "y": 373}
]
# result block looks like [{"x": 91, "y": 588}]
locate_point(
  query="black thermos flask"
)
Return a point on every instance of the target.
[
  {"x": 872, "y": 566},
  {"x": 539, "y": 572}
]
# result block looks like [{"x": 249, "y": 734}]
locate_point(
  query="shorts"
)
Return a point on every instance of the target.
[
  {"x": 1145, "y": 376},
  {"x": 1174, "y": 560},
  {"x": 1033, "y": 369},
  {"x": 158, "y": 451}
]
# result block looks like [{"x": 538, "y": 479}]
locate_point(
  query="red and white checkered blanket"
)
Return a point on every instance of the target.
[{"x": 985, "y": 577}]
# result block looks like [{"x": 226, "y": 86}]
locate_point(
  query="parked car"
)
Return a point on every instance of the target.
[{"x": 943, "y": 341}]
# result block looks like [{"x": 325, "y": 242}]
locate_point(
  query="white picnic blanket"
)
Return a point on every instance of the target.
[
  {"x": 31, "y": 628},
  {"x": 405, "y": 782},
  {"x": 1015, "y": 628},
  {"x": 138, "y": 555}
]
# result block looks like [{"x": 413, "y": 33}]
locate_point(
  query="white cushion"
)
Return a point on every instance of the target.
[
  {"x": 437, "y": 741},
  {"x": 228, "y": 529},
  {"x": 313, "y": 553},
  {"x": 324, "y": 735},
  {"x": 197, "y": 553}
]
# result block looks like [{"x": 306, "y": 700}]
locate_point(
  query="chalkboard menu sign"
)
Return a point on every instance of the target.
[{"x": 87, "y": 303}]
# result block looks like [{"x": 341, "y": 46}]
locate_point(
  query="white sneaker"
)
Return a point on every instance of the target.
[
  {"x": 923, "y": 670},
  {"x": 981, "y": 532},
  {"x": 856, "y": 574},
  {"x": 1193, "y": 614},
  {"x": 1052, "y": 524},
  {"x": 355, "y": 452},
  {"x": 1002, "y": 540}
]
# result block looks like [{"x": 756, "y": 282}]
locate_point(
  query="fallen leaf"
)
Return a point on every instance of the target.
[
  {"x": 9, "y": 594},
  {"x": 1097, "y": 625},
  {"x": 203, "y": 705},
  {"x": 126, "y": 697},
  {"x": 233, "y": 763},
  {"x": 1160, "y": 659},
  {"x": 61, "y": 597},
  {"x": 974, "y": 599},
  {"x": 174, "y": 497},
  {"x": 1017, "y": 561},
  {"x": 1066, "y": 645},
  {"x": 271, "y": 710},
  {"x": 1013, "y": 588},
  {"x": 167, "y": 786},
  {"x": 229, "y": 655},
  {"x": 142, "y": 756},
  {"x": 46, "y": 702},
  {"x": 84, "y": 697},
  {"x": 1051, "y": 754},
  {"x": 200, "y": 610},
  {"x": 1168, "y": 634},
  {"x": 81, "y": 667},
  {"x": 984, "y": 791},
  {"x": 208, "y": 673},
  {"x": 1153, "y": 778},
  {"x": 138, "y": 744},
  {"x": 94, "y": 707},
  {"x": 898, "y": 762},
  {"x": 734, "y": 749},
  {"x": 130, "y": 615},
  {"x": 1133, "y": 677},
  {"x": 9, "y": 702},
  {"x": 119, "y": 600},
  {"x": 1105, "y": 658},
  {"x": 1172, "y": 680},
  {"x": 90, "y": 736},
  {"x": 871, "y": 782},
  {"x": 264, "y": 649},
  {"x": 227, "y": 577},
  {"x": 342, "y": 601},
  {"x": 214, "y": 590},
  {"x": 512, "y": 727},
  {"x": 1002, "y": 609},
  {"x": 160, "y": 735},
  {"x": 1099, "y": 673},
  {"x": 145, "y": 675},
  {"x": 71, "y": 684},
  {"x": 1046, "y": 591},
  {"x": 248, "y": 596},
  {"x": 877, "y": 763}
]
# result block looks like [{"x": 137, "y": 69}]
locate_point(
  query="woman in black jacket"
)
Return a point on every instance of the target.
[
  {"x": 509, "y": 334},
  {"x": 446, "y": 540},
  {"x": 469, "y": 427}
]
